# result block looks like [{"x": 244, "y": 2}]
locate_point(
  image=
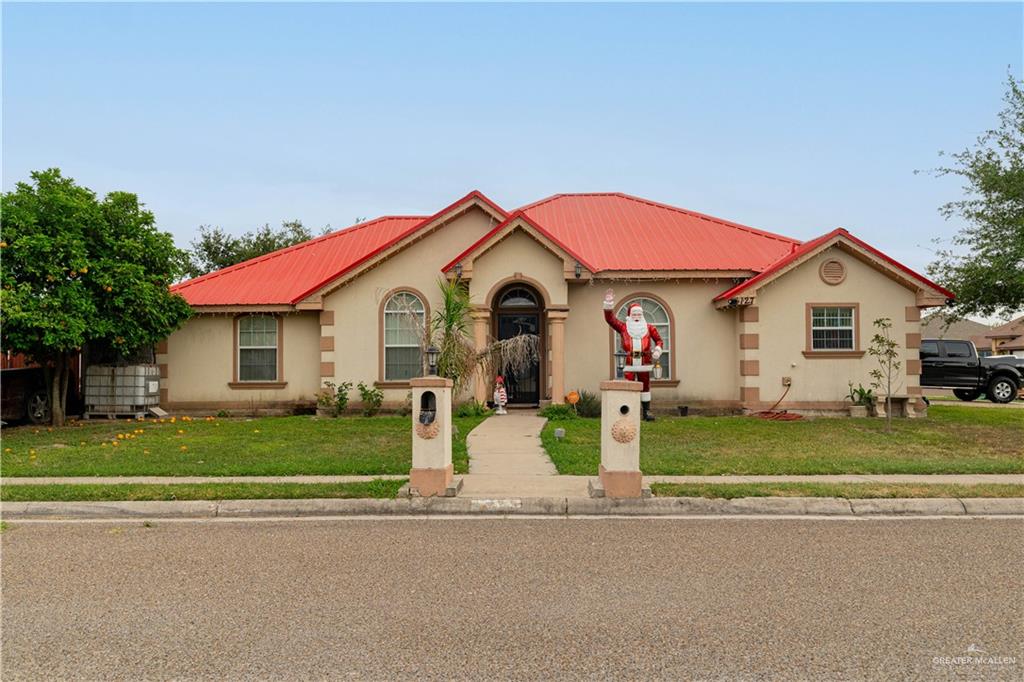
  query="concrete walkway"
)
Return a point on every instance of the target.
[
  {"x": 509, "y": 445},
  {"x": 506, "y": 459}
]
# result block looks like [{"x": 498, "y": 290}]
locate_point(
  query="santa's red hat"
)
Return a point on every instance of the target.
[
  {"x": 629, "y": 311},
  {"x": 499, "y": 379}
]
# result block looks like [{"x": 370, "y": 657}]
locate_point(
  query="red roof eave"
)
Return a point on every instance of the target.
[
  {"x": 813, "y": 244},
  {"x": 518, "y": 214},
  {"x": 475, "y": 194}
]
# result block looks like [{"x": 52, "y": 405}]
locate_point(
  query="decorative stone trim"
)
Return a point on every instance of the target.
[
  {"x": 913, "y": 313},
  {"x": 326, "y": 369},
  {"x": 832, "y": 354},
  {"x": 161, "y": 347},
  {"x": 913, "y": 340},
  {"x": 750, "y": 341},
  {"x": 914, "y": 390},
  {"x": 257, "y": 385},
  {"x": 750, "y": 394},
  {"x": 326, "y": 318},
  {"x": 163, "y": 370},
  {"x": 750, "y": 313},
  {"x": 428, "y": 431},
  {"x": 624, "y": 430},
  {"x": 621, "y": 385},
  {"x": 326, "y": 343},
  {"x": 750, "y": 368},
  {"x": 913, "y": 367}
]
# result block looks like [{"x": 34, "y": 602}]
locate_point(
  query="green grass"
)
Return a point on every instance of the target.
[
  {"x": 847, "y": 490},
  {"x": 381, "y": 489},
  {"x": 954, "y": 439},
  {"x": 268, "y": 446}
]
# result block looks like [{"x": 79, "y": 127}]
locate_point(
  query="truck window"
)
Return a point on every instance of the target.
[
  {"x": 958, "y": 349},
  {"x": 929, "y": 349}
]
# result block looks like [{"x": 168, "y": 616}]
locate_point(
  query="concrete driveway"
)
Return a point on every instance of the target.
[{"x": 514, "y": 599}]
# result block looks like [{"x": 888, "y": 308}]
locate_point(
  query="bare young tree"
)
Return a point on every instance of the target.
[{"x": 886, "y": 375}]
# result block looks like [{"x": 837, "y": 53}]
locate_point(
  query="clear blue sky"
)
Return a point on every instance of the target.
[{"x": 794, "y": 118}]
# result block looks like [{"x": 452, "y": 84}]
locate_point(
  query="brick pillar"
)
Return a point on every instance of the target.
[{"x": 749, "y": 341}]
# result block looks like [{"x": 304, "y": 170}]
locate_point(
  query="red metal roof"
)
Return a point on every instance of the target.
[
  {"x": 284, "y": 277},
  {"x": 615, "y": 231},
  {"x": 608, "y": 231},
  {"x": 808, "y": 247}
]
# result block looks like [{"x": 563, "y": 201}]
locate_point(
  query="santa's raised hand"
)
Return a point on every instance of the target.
[{"x": 609, "y": 299}]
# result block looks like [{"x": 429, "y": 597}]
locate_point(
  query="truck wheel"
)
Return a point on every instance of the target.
[
  {"x": 38, "y": 407},
  {"x": 966, "y": 394},
  {"x": 1002, "y": 390}
]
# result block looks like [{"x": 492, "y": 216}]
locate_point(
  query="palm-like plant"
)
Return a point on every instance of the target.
[{"x": 459, "y": 359}]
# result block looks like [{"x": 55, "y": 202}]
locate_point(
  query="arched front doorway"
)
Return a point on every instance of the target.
[{"x": 519, "y": 309}]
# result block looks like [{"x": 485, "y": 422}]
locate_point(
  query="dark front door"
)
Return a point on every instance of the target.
[{"x": 522, "y": 388}]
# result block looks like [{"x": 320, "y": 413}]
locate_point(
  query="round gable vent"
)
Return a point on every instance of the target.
[{"x": 832, "y": 272}]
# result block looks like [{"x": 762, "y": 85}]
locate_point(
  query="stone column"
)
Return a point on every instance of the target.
[
  {"x": 481, "y": 331},
  {"x": 619, "y": 475},
  {"x": 556, "y": 319},
  {"x": 432, "y": 470},
  {"x": 750, "y": 366}
]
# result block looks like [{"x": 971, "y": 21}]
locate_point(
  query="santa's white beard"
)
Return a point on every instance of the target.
[{"x": 636, "y": 328}]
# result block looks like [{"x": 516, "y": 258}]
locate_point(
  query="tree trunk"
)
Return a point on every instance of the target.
[
  {"x": 888, "y": 402},
  {"x": 56, "y": 399}
]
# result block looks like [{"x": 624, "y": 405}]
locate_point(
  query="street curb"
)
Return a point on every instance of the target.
[{"x": 534, "y": 506}]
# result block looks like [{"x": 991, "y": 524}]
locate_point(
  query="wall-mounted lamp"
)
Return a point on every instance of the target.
[
  {"x": 620, "y": 359},
  {"x": 432, "y": 355},
  {"x": 458, "y": 271},
  {"x": 579, "y": 271}
]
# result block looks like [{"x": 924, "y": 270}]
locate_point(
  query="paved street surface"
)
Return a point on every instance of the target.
[{"x": 515, "y": 598}]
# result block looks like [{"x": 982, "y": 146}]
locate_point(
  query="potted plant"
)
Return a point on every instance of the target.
[{"x": 863, "y": 400}]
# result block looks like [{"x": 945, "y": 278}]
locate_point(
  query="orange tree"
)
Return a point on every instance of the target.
[{"x": 77, "y": 270}]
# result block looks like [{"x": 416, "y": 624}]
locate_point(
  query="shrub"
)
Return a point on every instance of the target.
[
  {"x": 334, "y": 397},
  {"x": 558, "y": 413},
  {"x": 471, "y": 409},
  {"x": 372, "y": 398},
  {"x": 406, "y": 409},
  {"x": 861, "y": 396},
  {"x": 589, "y": 405}
]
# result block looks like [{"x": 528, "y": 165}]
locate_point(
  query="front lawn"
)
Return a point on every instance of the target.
[
  {"x": 266, "y": 446},
  {"x": 851, "y": 491},
  {"x": 953, "y": 439},
  {"x": 87, "y": 492}
]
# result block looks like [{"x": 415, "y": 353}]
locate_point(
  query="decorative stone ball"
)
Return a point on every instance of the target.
[
  {"x": 623, "y": 430},
  {"x": 428, "y": 431}
]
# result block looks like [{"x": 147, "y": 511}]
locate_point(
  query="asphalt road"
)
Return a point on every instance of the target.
[{"x": 522, "y": 598}]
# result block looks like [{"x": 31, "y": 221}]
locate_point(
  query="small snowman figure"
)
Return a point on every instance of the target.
[{"x": 500, "y": 397}]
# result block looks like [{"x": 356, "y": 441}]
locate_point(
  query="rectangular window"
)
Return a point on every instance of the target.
[
  {"x": 958, "y": 349},
  {"x": 929, "y": 349},
  {"x": 832, "y": 328},
  {"x": 257, "y": 348}
]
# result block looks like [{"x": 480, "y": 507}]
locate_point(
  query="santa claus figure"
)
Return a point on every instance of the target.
[
  {"x": 642, "y": 344},
  {"x": 500, "y": 397}
]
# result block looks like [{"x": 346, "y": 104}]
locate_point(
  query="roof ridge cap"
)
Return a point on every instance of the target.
[
  {"x": 294, "y": 247},
  {"x": 709, "y": 218}
]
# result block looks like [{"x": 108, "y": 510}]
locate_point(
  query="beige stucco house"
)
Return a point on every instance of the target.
[{"x": 749, "y": 318}]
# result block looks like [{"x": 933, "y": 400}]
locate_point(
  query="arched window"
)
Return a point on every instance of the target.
[
  {"x": 405, "y": 318},
  {"x": 518, "y": 297},
  {"x": 656, "y": 314}
]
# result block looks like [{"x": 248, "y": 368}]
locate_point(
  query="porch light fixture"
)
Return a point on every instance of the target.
[
  {"x": 432, "y": 355},
  {"x": 579, "y": 270},
  {"x": 458, "y": 271},
  {"x": 620, "y": 359}
]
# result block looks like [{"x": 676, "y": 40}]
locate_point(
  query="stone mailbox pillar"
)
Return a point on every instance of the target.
[
  {"x": 620, "y": 442},
  {"x": 431, "y": 472}
]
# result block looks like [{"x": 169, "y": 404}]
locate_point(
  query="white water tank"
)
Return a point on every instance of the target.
[{"x": 112, "y": 390}]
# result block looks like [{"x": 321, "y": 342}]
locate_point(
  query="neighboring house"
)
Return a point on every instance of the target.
[
  {"x": 938, "y": 326},
  {"x": 1007, "y": 339},
  {"x": 743, "y": 312}
]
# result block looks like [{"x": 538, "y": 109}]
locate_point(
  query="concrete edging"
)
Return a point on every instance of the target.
[{"x": 541, "y": 506}]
